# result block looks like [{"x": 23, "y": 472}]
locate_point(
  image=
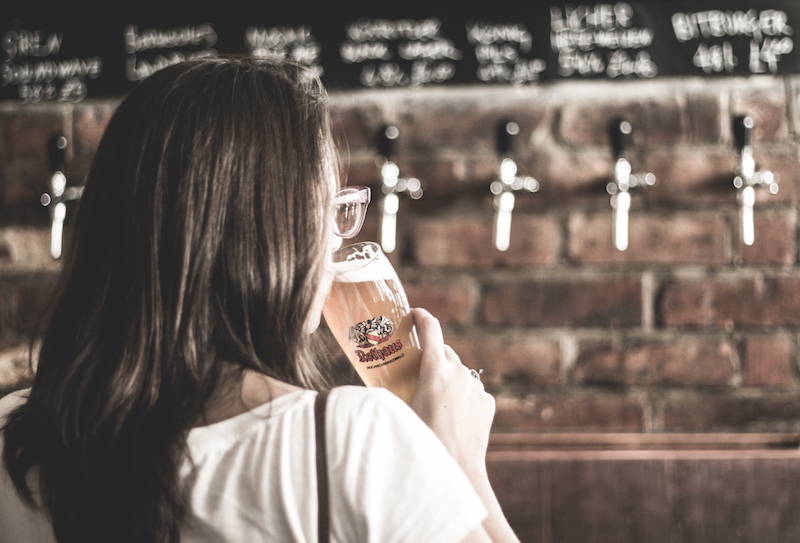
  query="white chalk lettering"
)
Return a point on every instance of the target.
[
  {"x": 595, "y": 17},
  {"x": 716, "y": 24},
  {"x": 49, "y": 70},
  {"x": 359, "y": 52},
  {"x": 202, "y": 35},
  {"x": 620, "y": 64},
  {"x": 716, "y": 58},
  {"x": 765, "y": 56},
  {"x": 386, "y": 74},
  {"x": 31, "y": 43},
  {"x": 570, "y": 40},
  {"x": 424, "y": 71},
  {"x": 519, "y": 73},
  {"x": 488, "y": 34},
  {"x": 137, "y": 69},
  {"x": 430, "y": 50},
  {"x": 384, "y": 29},
  {"x": 277, "y": 37}
]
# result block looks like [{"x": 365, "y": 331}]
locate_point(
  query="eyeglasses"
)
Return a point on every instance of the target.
[{"x": 349, "y": 209}]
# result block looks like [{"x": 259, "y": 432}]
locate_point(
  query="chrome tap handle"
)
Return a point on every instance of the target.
[
  {"x": 386, "y": 140},
  {"x": 743, "y": 132},
  {"x": 619, "y": 132},
  {"x": 59, "y": 193},
  {"x": 391, "y": 187},
  {"x": 748, "y": 177},
  {"x": 506, "y": 134},
  {"x": 507, "y": 184},
  {"x": 622, "y": 181}
]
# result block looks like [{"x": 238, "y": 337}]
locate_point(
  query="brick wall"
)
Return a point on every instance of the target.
[{"x": 687, "y": 330}]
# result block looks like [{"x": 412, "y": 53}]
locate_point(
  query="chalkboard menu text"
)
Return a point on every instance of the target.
[{"x": 71, "y": 57}]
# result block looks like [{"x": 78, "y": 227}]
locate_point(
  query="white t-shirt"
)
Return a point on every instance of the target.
[{"x": 253, "y": 477}]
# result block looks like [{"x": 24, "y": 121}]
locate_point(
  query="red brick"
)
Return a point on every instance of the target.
[
  {"x": 452, "y": 301},
  {"x": 655, "y": 120},
  {"x": 20, "y": 194},
  {"x": 774, "y": 239},
  {"x": 361, "y": 171},
  {"x": 442, "y": 180},
  {"x": 28, "y": 132},
  {"x": 768, "y": 362},
  {"x": 356, "y": 126},
  {"x": 581, "y": 302},
  {"x": 89, "y": 125},
  {"x": 701, "y": 120},
  {"x": 466, "y": 242},
  {"x": 26, "y": 251},
  {"x": 581, "y": 411},
  {"x": 677, "y": 239},
  {"x": 509, "y": 360},
  {"x": 716, "y": 412},
  {"x": 463, "y": 118},
  {"x": 785, "y": 164},
  {"x": 728, "y": 302},
  {"x": 568, "y": 176},
  {"x": 690, "y": 176},
  {"x": 768, "y": 108},
  {"x": 683, "y": 362}
]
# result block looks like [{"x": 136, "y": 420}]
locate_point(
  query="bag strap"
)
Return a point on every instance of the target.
[{"x": 323, "y": 524}]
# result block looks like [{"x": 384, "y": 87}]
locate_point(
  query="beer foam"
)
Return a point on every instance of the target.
[{"x": 364, "y": 266}]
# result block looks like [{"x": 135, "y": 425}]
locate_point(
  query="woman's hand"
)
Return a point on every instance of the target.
[
  {"x": 450, "y": 400},
  {"x": 458, "y": 410}
]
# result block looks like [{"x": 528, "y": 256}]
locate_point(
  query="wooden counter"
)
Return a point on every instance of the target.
[{"x": 649, "y": 488}]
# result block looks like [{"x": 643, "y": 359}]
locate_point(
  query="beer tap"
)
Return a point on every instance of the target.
[
  {"x": 622, "y": 181},
  {"x": 507, "y": 184},
  {"x": 392, "y": 185},
  {"x": 59, "y": 193},
  {"x": 748, "y": 177}
]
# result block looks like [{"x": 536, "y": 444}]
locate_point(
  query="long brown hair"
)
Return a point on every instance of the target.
[{"x": 199, "y": 239}]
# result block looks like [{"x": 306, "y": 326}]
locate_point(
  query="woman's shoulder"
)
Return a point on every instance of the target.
[
  {"x": 367, "y": 401},
  {"x": 364, "y": 413}
]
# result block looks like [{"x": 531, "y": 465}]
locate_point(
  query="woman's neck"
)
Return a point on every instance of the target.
[{"x": 242, "y": 391}]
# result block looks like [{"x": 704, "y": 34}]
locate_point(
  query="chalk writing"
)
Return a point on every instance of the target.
[
  {"x": 178, "y": 44},
  {"x": 31, "y": 43},
  {"x": 156, "y": 38},
  {"x": 717, "y": 24},
  {"x": 400, "y": 53},
  {"x": 500, "y": 50},
  {"x": 29, "y": 66},
  {"x": 601, "y": 39},
  {"x": 383, "y": 29},
  {"x": 297, "y": 43},
  {"x": 767, "y": 29}
]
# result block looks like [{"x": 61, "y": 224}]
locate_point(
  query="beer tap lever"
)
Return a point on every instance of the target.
[
  {"x": 622, "y": 180},
  {"x": 59, "y": 194},
  {"x": 507, "y": 183},
  {"x": 748, "y": 177},
  {"x": 392, "y": 185}
]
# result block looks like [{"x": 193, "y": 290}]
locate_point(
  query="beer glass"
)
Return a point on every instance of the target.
[{"x": 368, "y": 313}]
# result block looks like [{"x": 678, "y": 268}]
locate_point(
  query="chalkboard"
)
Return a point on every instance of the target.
[{"x": 55, "y": 54}]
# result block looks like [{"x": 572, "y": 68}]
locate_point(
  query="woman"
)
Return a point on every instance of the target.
[{"x": 174, "y": 392}]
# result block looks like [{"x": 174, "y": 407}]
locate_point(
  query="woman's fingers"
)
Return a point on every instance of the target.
[
  {"x": 429, "y": 331},
  {"x": 451, "y": 355}
]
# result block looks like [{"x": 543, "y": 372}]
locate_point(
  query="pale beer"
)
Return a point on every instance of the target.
[{"x": 368, "y": 314}]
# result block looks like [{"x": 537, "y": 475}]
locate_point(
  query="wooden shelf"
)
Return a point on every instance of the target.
[{"x": 641, "y": 441}]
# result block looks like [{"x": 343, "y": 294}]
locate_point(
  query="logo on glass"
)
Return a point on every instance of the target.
[{"x": 371, "y": 332}]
